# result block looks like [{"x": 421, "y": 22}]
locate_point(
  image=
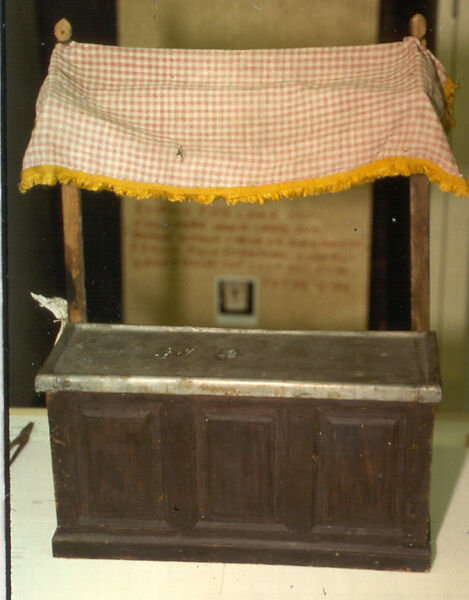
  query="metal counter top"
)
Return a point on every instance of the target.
[{"x": 388, "y": 366}]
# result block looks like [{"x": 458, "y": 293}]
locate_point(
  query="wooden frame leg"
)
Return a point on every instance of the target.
[
  {"x": 419, "y": 253},
  {"x": 74, "y": 257}
]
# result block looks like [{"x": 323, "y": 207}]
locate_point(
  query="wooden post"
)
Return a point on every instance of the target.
[
  {"x": 72, "y": 226},
  {"x": 419, "y": 253},
  {"x": 419, "y": 227},
  {"x": 74, "y": 258}
]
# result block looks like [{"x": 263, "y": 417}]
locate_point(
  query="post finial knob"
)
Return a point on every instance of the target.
[
  {"x": 418, "y": 27},
  {"x": 63, "y": 31}
]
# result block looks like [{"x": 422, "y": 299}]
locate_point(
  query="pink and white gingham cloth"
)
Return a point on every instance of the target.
[{"x": 224, "y": 118}]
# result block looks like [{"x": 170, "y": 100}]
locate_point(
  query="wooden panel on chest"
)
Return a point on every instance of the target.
[
  {"x": 122, "y": 473},
  {"x": 373, "y": 471},
  {"x": 245, "y": 446},
  {"x": 114, "y": 457},
  {"x": 362, "y": 461}
]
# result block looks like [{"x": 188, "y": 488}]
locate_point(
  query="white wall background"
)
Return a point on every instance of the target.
[{"x": 449, "y": 236}]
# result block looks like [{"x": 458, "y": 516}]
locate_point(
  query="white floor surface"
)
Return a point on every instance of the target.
[{"x": 35, "y": 574}]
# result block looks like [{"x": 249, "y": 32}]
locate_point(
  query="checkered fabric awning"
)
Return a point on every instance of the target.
[{"x": 247, "y": 125}]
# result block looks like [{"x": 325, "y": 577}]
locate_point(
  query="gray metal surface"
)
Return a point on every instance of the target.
[{"x": 389, "y": 366}]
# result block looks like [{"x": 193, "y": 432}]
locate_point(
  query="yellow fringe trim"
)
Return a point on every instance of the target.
[{"x": 386, "y": 167}]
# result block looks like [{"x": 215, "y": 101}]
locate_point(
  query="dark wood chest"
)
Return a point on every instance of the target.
[{"x": 301, "y": 448}]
